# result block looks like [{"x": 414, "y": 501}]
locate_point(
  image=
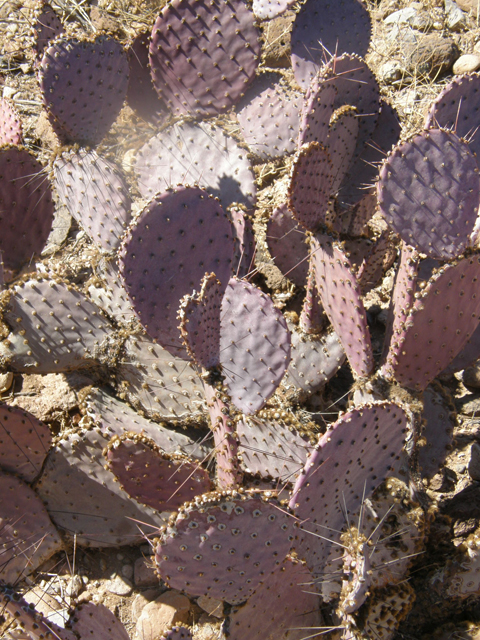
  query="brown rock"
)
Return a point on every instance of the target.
[
  {"x": 467, "y": 63},
  {"x": 170, "y": 608},
  {"x": 141, "y": 600},
  {"x": 471, "y": 376},
  {"x": 431, "y": 56},
  {"x": 469, "y": 5},
  {"x": 212, "y": 606},
  {"x": 144, "y": 573}
]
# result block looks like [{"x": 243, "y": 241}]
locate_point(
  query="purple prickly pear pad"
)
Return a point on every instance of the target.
[
  {"x": 254, "y": 345},
  {"x": 268, "y": 9},
  {"x": 318, "y": 108},
  {"x": 11, "y": 131},
  {"x": 286, "y": 241},
  {"x": 179, "y": 236},
  {"x": 203, "y": 56},
  {"x": 341, "y": 142},
  {"x": 97, "y": 621},
  {"x": 246, "y": 534},
  {"x": 141, "y": 94},
  {"x": 322, "y": 30},
  {"x": 47, "y": 27},
  {"x": 428, "y": 192},
  {"x": 84, "y": 84}
]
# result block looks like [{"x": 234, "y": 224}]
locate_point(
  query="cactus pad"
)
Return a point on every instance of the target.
[
  {"x": 96, "y": 621},
  {"x": 254, "y": 345},
  {"x": 361, "y": 449},
  {"x": 176, "y": 633},
  {"x": 179, "y": 236},
  {"x": 151, "y": 476},
  {"x": 286, "y": 241},
  {"x": 11, "y": 130},
  {"x": 321, "y": 30},
  {"x": 269, "y": 117},
  {"x": 54, "y": 328},
  {"x": 156, "y": 382},
  {"x": 46, "y": 27},
  {"x": 245, "y": 244},
  {"x": 341, "y": 298},
  {"x": 141, "y": 94},
  {"x": 466, "y": 356},
  {"x": 441, "y": 319},
  {"x": 268, "y": 9},
  {"x": 95, "y": 194},
  {"x": 285, "y": 605},
  {"x": 27, "y": 536},
  {"x": 440, "y": 420},
  {"x": 310, "y": 185},
  {"x": 84, "y": 84},
  {"x": 200, "y": 323},
  {"x": 341, "y": 142},
  {"x": 197, "y": 154},
  {"x": 203, "y": 57},
  {"x": 318, "y": 108},
  {"x": 428, "y": 192},
  {"x": 108, "y": 293},
  {"x": 246, "y": 534},
  {"x": 314, "y": 361},
  {"x": 26, "y": 206},
  {"x": 269, "y": 449},
  {"x": 24, "y": 442}
]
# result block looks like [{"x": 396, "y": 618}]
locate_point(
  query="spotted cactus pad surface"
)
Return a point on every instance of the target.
[
  {"x": 286, "y": 241},
  {"x": 97, "y": 621},
  {"x": 11, "y": 130},
  {"x": 203, "y": 56},
  {"x": 47, "y": 27},
  {"x": 244, "y": 533},
  {"x": 268, "y": 9}
]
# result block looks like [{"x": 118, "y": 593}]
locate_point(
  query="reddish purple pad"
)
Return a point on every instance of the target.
[
  {"x": 179, "y": 236},
  {"x": 310, "y": 185},
  {"x": 204, "y": 55},
  {"x": 428, "y": 192},
  {"x": 341, "y": 298},
  {"x": 350, "y": 460},
  {"x": 84, "y": 85},
  {"x": 11, "y": 131},
  {"x": 287, "y": 246},
  {"x": 318, "y": 108},
  {"x": 96, "y": 621},
  {"x": 46, "y": 28},
  {"x": 322, "y": 30},
  {"x": 341, "y": 142},
  {"x": 26, "y": 206},
  {"x": 224, "y": 546},
  {"x": 439, "y": 324},
  {"x": 254, "y": 345},
  {"x": 24, "y": 442}
]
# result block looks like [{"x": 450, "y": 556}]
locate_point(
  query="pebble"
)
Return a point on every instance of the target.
[
  {"x": 471, "y": 376},
  {"x": 467, "y": 63},
  {"x": 454, "y": 16},
  {"x": 144, "y": 573},
  {"x": 412, "y": 15},
  {"x": 8, "y": 92},
  {"x": 74, "y": 586},
  {"x": 469, "y": 5},
  {"x": 170, "y": 608},
  {"x": 6, "y": 380},
  {"x": 212, "y": 606},
  {"x": 391, "y": 71},
  {"x": 127, "y": 571},
  {"x": 406, "y": 101},
  {"x": 474, "y": 463},
  {"x": 119, "y": 586}
]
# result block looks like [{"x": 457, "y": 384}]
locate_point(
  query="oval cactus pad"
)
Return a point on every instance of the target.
[
  {"x": 203, "y": 55},
  {"x": 96, "y": 621},
  {"x": 268, "y": 9},
  {"x": 84, "y": 84},
  {"x": 197, "y": 154},
  {"x": 95, "y": 194},
  {"x": 350, "y": 460},
  {"x": 428, "y": 192},
  {"x": 179, "y": 236},
  {"x": 245, "y": 534},
  {"x": 286, "y": 241},
  {"x": 11, "y": 131},
  {"x": 254, "y": 345},
  {"x": 26, "y": 206}
]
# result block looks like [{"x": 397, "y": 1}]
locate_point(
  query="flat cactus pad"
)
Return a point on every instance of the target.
[
  {"x": 203, "y": 57},
  {"x": 141, "y": 94},
  {"x": 47, "y": 27},
  {"x": 246, "y": 534},
  {"x": 97, "y": 621},
  {"x": 286, "y": 241},
  {"x": 11, "y": 130},
  {"x": 440, "y": 420},
  {"x": 268, "y": 9}
]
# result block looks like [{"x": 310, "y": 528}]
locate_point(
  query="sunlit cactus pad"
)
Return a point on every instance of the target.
[
  {"x": 285, "y": 605},
  {"x": 107, "y": 292},
  {"x": 318, "y": 108},
  {"x": 156, "y": 382},
  {"x": 254, "y": 345},
  {"x": 24, "y": 442},
  {"x": 26, "y": 206},
  {"x": 95, "y": 194},
  {"x": 428, "y": 192},
  {"x": 11, "y": 130},
  {"x": 84, "y": 84},
  {"x": 153, "y": 477},
  {"x": 360, "y": 450},
  {"x": 179, "y": 236},
  {"x": 269, "y": 117},
  {"x": 322, "y": 30},
  {"x": 204, "y": 55},
  {"x": 46, "y": 27},
  {"x": 268, "y": 9},
  {"x": 196, "y": 154},
  {"x": 177, "y": 633},
  {"x": 54, "y": 328},
  {"x": 97, "y": 621},
  {"x": 27, "y": 535},
  {"x": 286, "y": 241},
  {"x": 244, "y": 533}
]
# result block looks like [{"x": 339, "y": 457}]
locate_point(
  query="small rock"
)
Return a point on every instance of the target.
[
  {"x": 119, "y": 586},
  {"x": 8, "y": 92},
  {"x": 406, "y": 101},
  {"x": 141, "y": 600},
  {"x": 471, "y": 376},
  {"x": 6, "y": 380},
  {"x": 170, "y": 608},
  {"x": 454, "y": 16},
  {"x": 212, "y": 606},
  {"x": 467, "y": 63},
  {"x": 45, "y": 604},
  {"x": 412, "y": 15},
  {"x": 464, "y": 527},
  {"x": 432, "y": 56},
  {"x": 469, "y": 405},
  {"x": 469, "y": 5},
  {"x": 74, "y": 586},
  {"x": 127, "y": 571},
  {"x": 390, "y": 71},
  {"x": 474, "y": 463},
  {"x": 144, "y": 573}
]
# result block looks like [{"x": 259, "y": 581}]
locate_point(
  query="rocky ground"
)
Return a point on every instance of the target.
[{"x": 417, "y": 47}]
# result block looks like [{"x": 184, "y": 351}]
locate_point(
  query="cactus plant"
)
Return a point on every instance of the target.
[{"x": 11, "y": 131}]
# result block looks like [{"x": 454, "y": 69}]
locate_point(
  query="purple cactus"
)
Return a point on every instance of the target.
[
  {"x": 268, "y": 9},
  {"x": 46, "y": 27},
  {"x": 141, "y": 94},
  {"x": 286, "y": 241},
  {"x": 341, "y": 142},
  {"x": 318, "y": 107},
  {"x": 11, "y": 130},
  {"x": 91, "y": 620},
  {"x": 440, "y": 420},
  {"x": 203, "y": 57}
]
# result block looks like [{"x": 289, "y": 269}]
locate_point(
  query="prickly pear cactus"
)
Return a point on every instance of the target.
[
  {"x": 11, "y": 130},
  {"x": 286, "y": 241},
  {"x": 91, "y": 620},
  {"x": 268, "y": 9}
]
